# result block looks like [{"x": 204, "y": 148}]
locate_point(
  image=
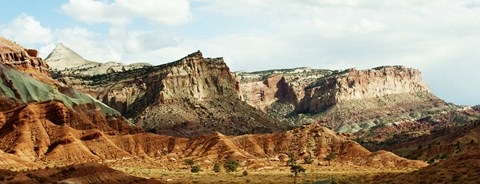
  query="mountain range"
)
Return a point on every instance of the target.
[{"x": 66, "y": 110}]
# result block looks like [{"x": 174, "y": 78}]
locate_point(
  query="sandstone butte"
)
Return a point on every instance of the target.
[{"x": 62, "y": 126}]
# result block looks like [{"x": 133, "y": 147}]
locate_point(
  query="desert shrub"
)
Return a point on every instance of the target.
[
  {"x": 195, "y": 169},
  {"x": 231, "y": 165},
  {"x": 308, "y": 160},
  {"x": 245, "y": 173},
  {"x": 217, "y": 168},
  {"x": 189, "y": 162},
  {"x": 331, "y": 156}
]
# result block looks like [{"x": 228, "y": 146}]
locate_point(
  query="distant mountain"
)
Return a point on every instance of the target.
[
  {"x": 56, "y": 59},
  {"x": 65, "y": 60}
]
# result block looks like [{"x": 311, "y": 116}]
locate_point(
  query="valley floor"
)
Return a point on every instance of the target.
[{"x": 282, "y": 175}]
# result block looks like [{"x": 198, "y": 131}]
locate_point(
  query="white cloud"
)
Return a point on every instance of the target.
[
  {"x": 439, "y": 37},
  {"x": 123, "y": 11},
  {"x": 26, "y": 30}
]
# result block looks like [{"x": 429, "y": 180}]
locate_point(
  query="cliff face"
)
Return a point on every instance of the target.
[
  {"x": 347, "y": 101},
  {"x": 22, "y": 59},
  {"x": 356, "y": 85},
  {"x": 262, "y": 89},
  {"x": 189, "y": 97}
]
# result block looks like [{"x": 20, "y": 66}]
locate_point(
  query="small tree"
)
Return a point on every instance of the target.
[
  {"x": 292, "y": 159},
  {"x": 231, "y": 166},
  {"x": 308, "y": 160},
  {"x": 331, "y": 156},
  {"x": 245, "y": 173},
  {"x": 189, "y": 162},
  {"x": 195, "y": 169},
  {"x": 295, "y": 170},
  {"x": 217, "y": 168}
]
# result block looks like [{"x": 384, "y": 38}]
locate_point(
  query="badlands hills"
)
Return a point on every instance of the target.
[{"x": 155, "y": 117}]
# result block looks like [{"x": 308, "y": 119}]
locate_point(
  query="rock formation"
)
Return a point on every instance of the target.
[{"x": 189, "y": 97}]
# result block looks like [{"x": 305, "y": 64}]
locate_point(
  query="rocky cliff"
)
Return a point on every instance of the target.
[
  {"x": 262, "y": 89},
  {"x": 348, "y": 101},
  {"x": 189, "y": 97},
  {"x": 22, "y": 59},
  {"x": 357, "y": 84}
]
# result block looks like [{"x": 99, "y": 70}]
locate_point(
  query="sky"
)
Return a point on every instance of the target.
[{"x": 439, "y": 37}]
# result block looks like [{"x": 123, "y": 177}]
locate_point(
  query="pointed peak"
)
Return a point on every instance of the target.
[
  {"x": 63, "y": 57},
  {"x": 196, "y": 54},
  {"x": 60, "y": 45}
]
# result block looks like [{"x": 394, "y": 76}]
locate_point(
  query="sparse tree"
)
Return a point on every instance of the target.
[
  {"x": 295, "y": 170},
  {"x": 331, "y": 156},
  {"x": 189, "y": 162},
  {"x": 231, "y": 166},
  {"x": 292, "y": 159},
  {"x": 217, "y": 168}
]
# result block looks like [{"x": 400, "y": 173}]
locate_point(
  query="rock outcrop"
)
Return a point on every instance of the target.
[
  {"x": 189, "y": 97},
  {"x": 26, "y": 60}
]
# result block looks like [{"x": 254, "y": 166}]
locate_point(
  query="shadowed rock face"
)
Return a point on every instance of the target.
[{"x": 189, "y": 97}]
